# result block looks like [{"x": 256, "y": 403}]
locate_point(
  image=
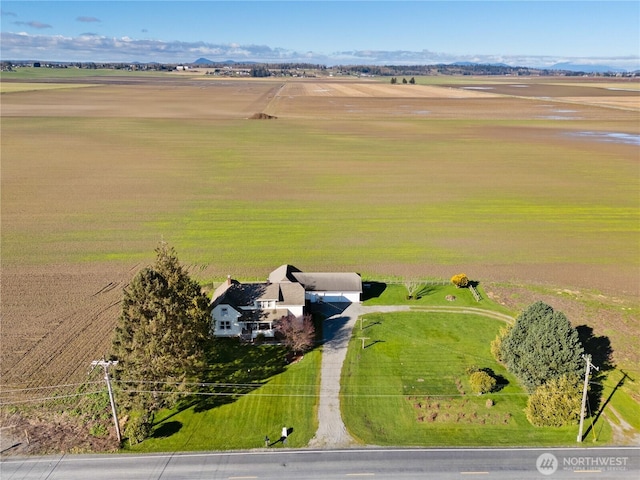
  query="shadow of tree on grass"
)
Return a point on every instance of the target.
[
  {"x": 372, "y": 290},
  {"x": 599, "y": 347},
  {"x": 166, "y": 429},
  {"x": 235, "y": 369}
]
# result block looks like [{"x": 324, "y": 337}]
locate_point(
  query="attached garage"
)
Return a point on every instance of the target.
[{"x": 322, "y": 286}]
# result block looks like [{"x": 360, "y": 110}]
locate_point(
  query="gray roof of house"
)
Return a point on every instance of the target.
[
  {"x": 329, "y": 282},
  {"x": 318, "y": 281},
  {"x": 284, "y": 273},
  {"x": 245, "y": 294},
  {"x": 291, "y": 294}
]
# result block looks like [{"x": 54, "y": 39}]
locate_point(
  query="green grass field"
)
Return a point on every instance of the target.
[
  {"x": 245, "y": 196},
  {"x": 432, "y": 293},
  {"x": 242, "y": 422},
  {"x": 409, "y": 386},
  {"x": 27, "y": 73}
]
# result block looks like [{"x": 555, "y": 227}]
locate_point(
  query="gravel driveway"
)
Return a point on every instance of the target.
[{"x": 337, "y": 331}]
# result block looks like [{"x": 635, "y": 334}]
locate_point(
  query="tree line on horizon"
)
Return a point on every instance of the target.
[{"x": 264, "y": 69}]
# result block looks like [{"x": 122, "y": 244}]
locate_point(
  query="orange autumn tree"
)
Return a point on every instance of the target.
[{"x": 460, "y": 280}]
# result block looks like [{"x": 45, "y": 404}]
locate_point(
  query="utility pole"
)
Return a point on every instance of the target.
[
  {"x": 587, "y": 358},
  {"x": 106, "y": 364}
]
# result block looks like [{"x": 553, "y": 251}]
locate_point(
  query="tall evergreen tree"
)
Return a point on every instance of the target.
[
  {"x": 542, "y": 345},
  {"x": 161, "y": 334}
]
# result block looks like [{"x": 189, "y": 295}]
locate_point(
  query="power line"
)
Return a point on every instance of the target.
[
  {"x": 46, "y": 399},
  {"x": 313, "y": 395},
  {"x": 46, "y": 387}
]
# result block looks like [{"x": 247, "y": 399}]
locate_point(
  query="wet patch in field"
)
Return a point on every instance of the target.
[
  {"x": 613, "y": 137},
  {"x": 559, "y": 117},
  {"x": 559, "y": 113}
]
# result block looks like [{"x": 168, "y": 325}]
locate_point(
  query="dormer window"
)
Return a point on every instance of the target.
[{"x": 266, "y": 304}]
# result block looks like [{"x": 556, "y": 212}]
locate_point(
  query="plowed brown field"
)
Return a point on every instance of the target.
[{"x": 55, "y": 319}]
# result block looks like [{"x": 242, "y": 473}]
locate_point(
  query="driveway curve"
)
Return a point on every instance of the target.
[{"x": 337, "y": 329}]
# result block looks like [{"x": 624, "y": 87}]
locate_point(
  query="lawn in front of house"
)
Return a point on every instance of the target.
[
  {"x": 244, "y": 413},
  {"x": 409, "y": 386}
]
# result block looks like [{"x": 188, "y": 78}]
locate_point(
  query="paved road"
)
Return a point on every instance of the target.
[{"x": 406, "y": 464}]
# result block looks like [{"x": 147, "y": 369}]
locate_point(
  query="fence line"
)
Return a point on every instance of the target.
[
  {"x": 395, "y": 281},
  {"x": 475, "y": 293}
]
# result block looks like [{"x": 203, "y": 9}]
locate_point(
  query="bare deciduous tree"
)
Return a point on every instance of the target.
[{"x": 297, "y": 333}]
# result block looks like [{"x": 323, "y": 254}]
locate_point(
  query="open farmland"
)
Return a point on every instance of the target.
[{"x": 402, "y": 181}]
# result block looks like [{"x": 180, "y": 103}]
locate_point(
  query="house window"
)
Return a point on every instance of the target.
[
  {"x": 264, "y": 326},
  {"x": 225, "y": 325},
  {"x": 224, "y": 311}
]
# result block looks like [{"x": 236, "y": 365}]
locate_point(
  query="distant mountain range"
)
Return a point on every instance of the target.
[
  {"x": 206, "y": 61},
  {"x": 573, "y": 67},
  {"x": 471, "y": 64},
  {"x": 566, "y": 66}
]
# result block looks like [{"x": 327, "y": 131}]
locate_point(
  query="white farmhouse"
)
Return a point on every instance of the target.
[{"x": 249, "y": 309}]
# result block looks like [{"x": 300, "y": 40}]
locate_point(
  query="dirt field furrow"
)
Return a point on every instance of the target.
[{"x": 72, "y": 326}]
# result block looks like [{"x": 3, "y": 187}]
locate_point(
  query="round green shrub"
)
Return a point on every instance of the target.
[{"x": 481, "y": 382}]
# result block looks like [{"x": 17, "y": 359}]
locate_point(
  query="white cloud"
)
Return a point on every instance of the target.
[{"x": 91, "y": 47}]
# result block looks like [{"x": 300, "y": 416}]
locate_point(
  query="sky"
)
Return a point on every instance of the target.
[{"x": 536, "y": 33}]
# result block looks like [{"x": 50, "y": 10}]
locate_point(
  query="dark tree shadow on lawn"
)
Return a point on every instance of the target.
[
  {"x": 602, "y": 357},
  {"x": 501, "y": 381},
  {"x": 372, "y": 290},
  {"x": 234, "y": 370},
  {"x": 166, "y": 429},
  {"x": 425, "y": 291},
  {"x": 598, "y": 347}
]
